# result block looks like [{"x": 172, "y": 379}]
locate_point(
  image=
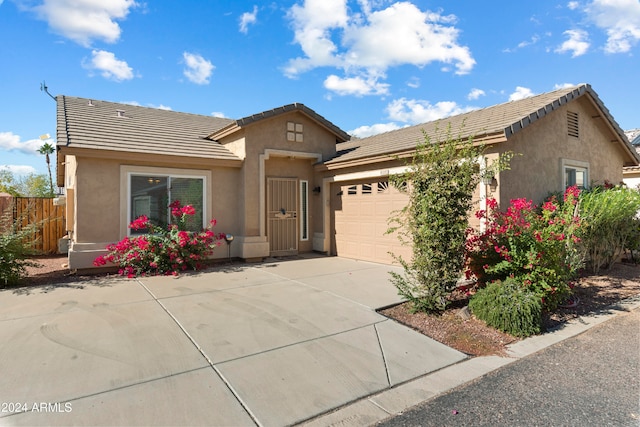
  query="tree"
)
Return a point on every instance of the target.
[
  {"x": 48, "y": 149},
  {"x": 32, "y": 185},
  {"x": 36, "y": 185},
  {"x": 8, "y": 183},
  {"x": 440, "y": 181}
]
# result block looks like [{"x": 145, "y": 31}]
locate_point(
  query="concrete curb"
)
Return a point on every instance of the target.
[{"x": 395, "y": 401}]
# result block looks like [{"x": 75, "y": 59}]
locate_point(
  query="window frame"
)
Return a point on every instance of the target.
[
  {"x": 304, "y": 210},
  {"x": 126, "y": 172},
  {"x": 578, "y": 166}
]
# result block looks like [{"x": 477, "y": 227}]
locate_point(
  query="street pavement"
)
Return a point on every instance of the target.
[{"x": 592, "y": 379}]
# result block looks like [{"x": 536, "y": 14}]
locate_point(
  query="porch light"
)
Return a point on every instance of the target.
[
  {"x": 488, "y": 179},
  {"x": 317, "y": 190}
]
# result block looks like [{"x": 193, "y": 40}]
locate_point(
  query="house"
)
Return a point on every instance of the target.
[
  {"x": 288, "y": 180},
  {"x": 632, "y": 173}
]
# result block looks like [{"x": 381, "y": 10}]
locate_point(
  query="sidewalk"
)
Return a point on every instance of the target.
[{"x": 392, "y": 402}]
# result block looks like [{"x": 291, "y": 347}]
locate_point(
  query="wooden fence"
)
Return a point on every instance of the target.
[{"x": 50, "y": 220}]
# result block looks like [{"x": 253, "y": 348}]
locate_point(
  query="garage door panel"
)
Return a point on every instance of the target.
[
  {"x": 361, "y": 225},
  {"x": 366, "y": 208}
]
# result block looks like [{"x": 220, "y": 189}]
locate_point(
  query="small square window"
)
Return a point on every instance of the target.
[{"x": 294, "y": 132}]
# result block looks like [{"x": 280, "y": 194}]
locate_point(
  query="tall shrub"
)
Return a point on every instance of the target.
[
  {"x": 610, "y": 223},
  {"x": 537, "y": 247},
  {"x": 15, "y": 248},
  {"x": 440, "y": 181}
]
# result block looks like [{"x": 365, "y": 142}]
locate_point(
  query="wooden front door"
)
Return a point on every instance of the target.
[{"x": 282, "y": 216}]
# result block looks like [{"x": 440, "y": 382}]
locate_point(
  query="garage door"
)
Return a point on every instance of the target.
[{"x": 361, "y": 214}]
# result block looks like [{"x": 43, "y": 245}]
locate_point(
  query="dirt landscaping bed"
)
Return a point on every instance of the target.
[
  {"x": 470, "y": 336},
  {"x": 474, "y": 337}
]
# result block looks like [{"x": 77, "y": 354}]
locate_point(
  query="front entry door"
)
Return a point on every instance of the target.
[{"x": 282, "y": 216}]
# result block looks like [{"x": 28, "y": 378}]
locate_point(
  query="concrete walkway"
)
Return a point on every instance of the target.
[{"x": 268, "y": 344}]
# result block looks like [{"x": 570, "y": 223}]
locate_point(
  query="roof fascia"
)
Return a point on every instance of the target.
[
  {"x": 487, "y": 140},
  {"x": 147, "y": 157},
  {"x": 613, "y": 127}
]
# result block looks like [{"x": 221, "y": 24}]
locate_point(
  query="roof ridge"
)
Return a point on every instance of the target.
[
  {"x": 154, "y": 109},
  {"x": 568, "y": 90}
]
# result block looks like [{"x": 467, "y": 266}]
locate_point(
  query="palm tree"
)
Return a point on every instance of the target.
[{"x": 48, "y": 149}]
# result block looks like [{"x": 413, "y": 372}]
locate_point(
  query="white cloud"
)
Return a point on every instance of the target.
[
  {"x": 533, "y": 40},
  {"x": 521, "y": 93},
  {"x": 312, "y": 25},
  {"x": 248, "y": 18},
  {"x": 414, "y": 82},
  {"x": 160, "y": 107},
  {"x": 368, "y": 42},
  {"x": 415, "y": 111},
  {"x": 577, "y": 44},
  {"x": 573, "y": 5},
  {"x": 11, "y": 142},
  {"x": 198, "y": 70},
  {"x": 137, "y": 104},
  {"x": 621, "y": 21},
  {"x": 364, "y": 131},
  {"x": 19, "y": 169},
  {"x": 562, "y": 85},
  {"x": 357, "y": 86},
  {"x": 108, "y": 66},
  {"x": 85, "y": 20},
  {"x": 218, "y": 114},
  {"x": 475, "y": 94}
]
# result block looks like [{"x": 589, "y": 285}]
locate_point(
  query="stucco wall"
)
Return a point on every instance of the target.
[
  {"x": 541, "y": 146},
  {"x": 97, "y": 196},
  {"x": 100, "y": 197},
  {"x": 266, "y": 140}
]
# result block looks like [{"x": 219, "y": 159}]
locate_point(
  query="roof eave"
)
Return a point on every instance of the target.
[{"x": 144, "y": 157}]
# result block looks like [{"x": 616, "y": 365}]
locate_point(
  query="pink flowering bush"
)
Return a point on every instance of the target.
[
  {"x": 162, "y": 250},
  {"x": 537, "y": 247}
]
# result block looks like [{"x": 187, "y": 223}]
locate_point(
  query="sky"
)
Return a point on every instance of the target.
[{"x": 368, "y": 66}]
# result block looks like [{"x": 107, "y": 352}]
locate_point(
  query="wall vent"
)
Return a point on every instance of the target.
[{"x": 572, "y": 124}]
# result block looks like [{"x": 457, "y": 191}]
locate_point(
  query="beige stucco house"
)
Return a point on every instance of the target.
[{"x": 287, "y": 180}]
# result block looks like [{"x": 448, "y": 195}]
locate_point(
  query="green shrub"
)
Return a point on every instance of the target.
[
  {"x": 15, "y": 249},
  {"x": 540, "y": 247},
  {"x": 610, "y": 226},
  {"x": 162, "y": 250},
  {"x": 439, "y": 181},
  {"x": 508, "y": 306}
]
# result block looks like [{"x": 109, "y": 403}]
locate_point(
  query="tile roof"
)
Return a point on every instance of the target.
[
  {"x": 101, "y": 125},
  {"x": 495, "y": 123},
  {"x": 245, "y": 121}
]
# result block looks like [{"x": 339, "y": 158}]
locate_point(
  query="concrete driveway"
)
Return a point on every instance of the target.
[{"x": 265, "y": 344}]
